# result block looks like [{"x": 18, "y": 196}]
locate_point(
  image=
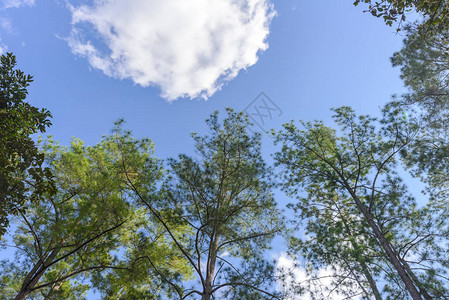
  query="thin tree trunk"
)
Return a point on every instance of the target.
[
  {"x": 365, "y": 269},
  {"x": 417, "y": 282},
  {"x": 207, "y": 292},
  {"x": 34, "y": 275},
  {"x": 371, "y": 281},
  {"x": 409, "y": 285}
]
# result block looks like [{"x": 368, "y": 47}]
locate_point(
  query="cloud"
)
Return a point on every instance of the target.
[
  {"x": 6, "y": 25},
  {"x": 17, "y": 3},
  {"x": 186, "y": 48},
  {"x": 292, "y": 276},
  {"x": 3, "y": 48}
]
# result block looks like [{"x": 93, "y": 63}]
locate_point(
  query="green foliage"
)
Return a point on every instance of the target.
[
  {"x": 92, "y": 229},
  {"x": 424, "y": 69},
  {"x": 424, "y": 66},
  {"x": 359, "y": 217},
  {"x": 21, "y": 176},
  {"x": 435, "y": 13},
  {"x": 224, "y": 199}
]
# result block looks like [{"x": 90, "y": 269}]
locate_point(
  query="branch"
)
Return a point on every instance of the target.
[
  {"x": 157, "y": 215},
  {"x": 244, "y": 284}
]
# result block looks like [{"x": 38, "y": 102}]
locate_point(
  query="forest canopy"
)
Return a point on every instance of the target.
[{"x": 112, "y": 219}]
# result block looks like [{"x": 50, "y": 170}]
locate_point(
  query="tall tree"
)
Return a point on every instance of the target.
[
  {"x": 92, "y": 229},
  {"x": 225, "y": 200},
  {"x": 358, "y": 169},
  {"x": 424, "y": 67},
  {"x": 336, "y": 247},
  {"x": 22, "y": 177}
]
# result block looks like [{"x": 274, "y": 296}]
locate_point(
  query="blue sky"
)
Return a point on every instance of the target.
[
  {"x": 307, "y": 57},
  {"x": 321, "y": 54}
]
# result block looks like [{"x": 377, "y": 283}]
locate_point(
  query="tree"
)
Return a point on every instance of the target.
[
  {"x": 92, "y": 229},
  {"x": 435, "y": 11},
  {"x": 336, "y": 248},
  {"x": 22, "y": 177},
  {"x": 351, "y": 179},
  {"x": 424, "y": 69},
  {"x": 225, "y": 200},
  {"x": 424, "y": 65}
]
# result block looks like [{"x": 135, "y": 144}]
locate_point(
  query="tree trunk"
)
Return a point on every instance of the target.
[
  {"x": 365, "y": 269},
  {"x": 417, "y": 282},
  {"x": 409, "y": 285},
  {"x": 207, "y": 292},
  {"x": 34, "y": 275},
  {"x": 371, "y": 282},
  {"x": 21, "y": 295}
]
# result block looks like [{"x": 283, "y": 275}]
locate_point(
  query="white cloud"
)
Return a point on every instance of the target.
[
  {"x": 3, "y": 48},
  {"x": 6, "y": 25},
  {"x": 187, "y": 48},
  {"x": 17, "y": 3},
  {"x": 297, "y": 275}
]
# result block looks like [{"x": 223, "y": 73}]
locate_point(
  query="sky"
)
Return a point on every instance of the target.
[
  {"x": 306, "y": 56},
  {"x": 165, "y": 65}
]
